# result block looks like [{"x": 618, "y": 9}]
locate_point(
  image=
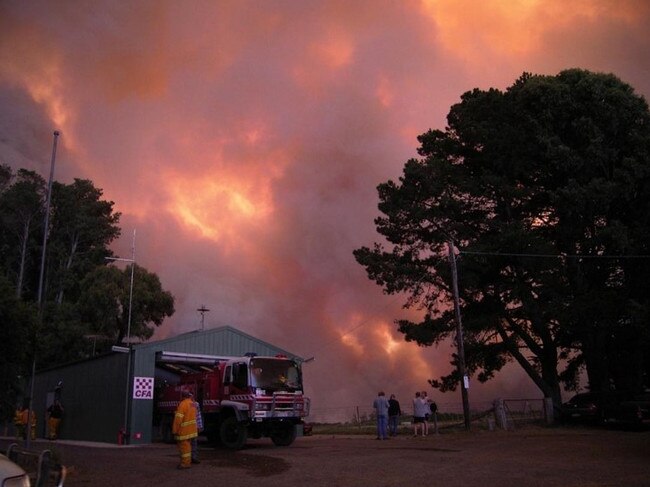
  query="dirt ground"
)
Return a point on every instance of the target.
[{"x": 529, "y": 457}]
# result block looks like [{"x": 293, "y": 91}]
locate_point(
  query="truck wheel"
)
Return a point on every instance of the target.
[
  {"x": 232, "y": 433},
  {"x": 213, "y": 436},
  {"x": 283, "y": 435}
]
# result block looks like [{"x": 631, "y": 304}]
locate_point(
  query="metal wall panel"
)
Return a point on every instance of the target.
[{"x": 92, "y": 395}]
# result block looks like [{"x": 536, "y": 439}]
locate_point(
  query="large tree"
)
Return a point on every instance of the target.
[
  {"x": 21, "y": 217},
  {"x": 83, "y": 226},
  {"x": 105, "y": 300},
  {"x": 545, "y": 191},
  {"x": 85, "y": 306}
]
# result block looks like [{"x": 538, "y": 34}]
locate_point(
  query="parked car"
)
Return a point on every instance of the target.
[
  {"x": 584, "y": 407},
  {"x": 636, "y": 409},
  {"x": 11, "y": 475},
  {"x": 607, "y": 407}
]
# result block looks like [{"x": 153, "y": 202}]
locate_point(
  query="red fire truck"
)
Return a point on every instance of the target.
[{"x": 240, "y": 398}]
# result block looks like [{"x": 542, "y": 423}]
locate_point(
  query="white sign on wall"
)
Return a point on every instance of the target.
[{"x": 143, "y": 388}]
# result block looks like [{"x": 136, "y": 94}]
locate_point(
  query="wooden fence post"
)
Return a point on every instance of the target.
[{"x": 500, "y": 414}]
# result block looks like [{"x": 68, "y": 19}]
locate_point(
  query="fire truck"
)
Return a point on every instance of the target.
[{"x": 241, "y": 397}]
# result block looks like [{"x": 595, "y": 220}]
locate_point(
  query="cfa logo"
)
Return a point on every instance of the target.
[{"x": 143, "y": 387}]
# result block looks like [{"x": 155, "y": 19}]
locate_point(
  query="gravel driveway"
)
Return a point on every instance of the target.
[{"x": 530, "y": 457}]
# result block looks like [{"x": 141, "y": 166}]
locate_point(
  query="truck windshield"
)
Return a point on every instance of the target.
[{"x": 275, "y": 374}]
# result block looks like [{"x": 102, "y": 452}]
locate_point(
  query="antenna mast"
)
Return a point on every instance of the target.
[{"x": 203, "y": 310}]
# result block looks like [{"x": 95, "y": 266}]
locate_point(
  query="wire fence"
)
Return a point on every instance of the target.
[
  {"x": 523, "y": 411},
  {"x": 516, "y": 412}
]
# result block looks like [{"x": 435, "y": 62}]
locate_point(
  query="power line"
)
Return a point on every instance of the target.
[
  {"x": 553, "y": 256},
  {"x": 491, "y": 254}
]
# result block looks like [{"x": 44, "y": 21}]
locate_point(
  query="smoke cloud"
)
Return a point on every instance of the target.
[{"x": 244, "y": 141}]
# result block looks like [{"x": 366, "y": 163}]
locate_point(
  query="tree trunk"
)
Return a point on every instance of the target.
[
  {"x": 66, "y": 268},
  {"x": 594, "y": 351},
  {"x": 548, "y": 381}
]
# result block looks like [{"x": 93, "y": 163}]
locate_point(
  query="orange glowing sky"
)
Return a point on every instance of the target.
[{"x": 244, "y": 141}]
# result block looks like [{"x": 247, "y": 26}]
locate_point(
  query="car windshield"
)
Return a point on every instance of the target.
[{"x": 275, "y": 374}]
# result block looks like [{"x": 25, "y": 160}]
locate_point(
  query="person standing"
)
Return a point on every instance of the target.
[
  {"x": 184, "y": 428},
  {"x": 394, "y": 413},
  {"x": 418, "y": 414},
  {"x": 25, "y": 418},
  {"x": 55, "y": 414},
  {"x": 199, "y": 428},
  {"x": 427, "y": 411},
  {"x": 434, "y": 414},
  {"x": 18, "y": 424},
  {"x": 381, "y": 408}
]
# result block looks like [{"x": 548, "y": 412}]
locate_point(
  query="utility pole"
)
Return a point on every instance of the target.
[
  {"x": 126, "y": 429},
  {"x": 46, "y": 229},
  {"x": 464, "y": 380},
  {"x": 39, "y": 301},
  {"x": 203, "y": 310}
]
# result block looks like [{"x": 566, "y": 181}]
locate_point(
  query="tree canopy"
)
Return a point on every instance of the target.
[
  {"x": 544, "y": 188},
  {"x": 105, "y": 301},
  {"x": 21, "y": 215},
  {"x": 85, "y": 299},
  {"x": 83, "y": 225}
]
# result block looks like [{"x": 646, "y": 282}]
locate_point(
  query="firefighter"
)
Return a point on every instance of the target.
[
  {"x": 24, "y": 418},
  {"x": 55, "y": 412},
  {"x": 18, "y": 424},
  {"x": 185, "y": 428}
]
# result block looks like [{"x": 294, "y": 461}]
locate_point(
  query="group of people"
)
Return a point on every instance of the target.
[
  {"x": 388, "y": 412},
  {"x": 24, "y": 416},
  {"x": 188, "y": 422},
  {"x": 424, "y": 409}
]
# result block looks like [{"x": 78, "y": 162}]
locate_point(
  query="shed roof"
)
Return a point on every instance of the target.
[{"x": 224, "y": 339}]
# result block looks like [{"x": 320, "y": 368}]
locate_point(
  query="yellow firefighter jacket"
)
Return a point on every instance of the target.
[
  {"x": 23, "y": 416},
  {"x": 184, "y": 427}
]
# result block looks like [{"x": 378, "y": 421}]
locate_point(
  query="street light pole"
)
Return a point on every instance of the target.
[
  {"x": 128, "y": 327},
  {"x": 39, "y": 299},
  {"x": 128, "y": 339}
]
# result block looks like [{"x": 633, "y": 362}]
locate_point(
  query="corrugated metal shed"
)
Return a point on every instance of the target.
[{"x": 93, "y": 391}]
